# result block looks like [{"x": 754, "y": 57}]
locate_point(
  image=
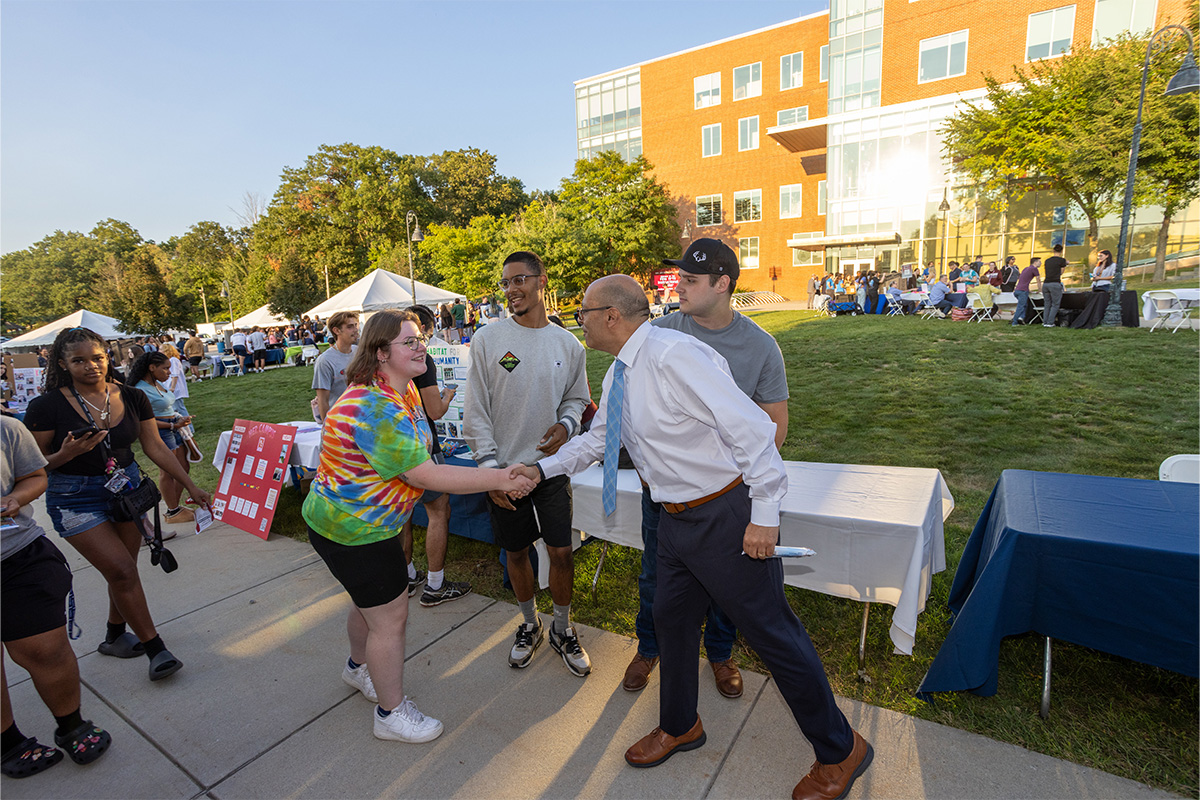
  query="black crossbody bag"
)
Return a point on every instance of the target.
[{"x": 129, "y": 505}]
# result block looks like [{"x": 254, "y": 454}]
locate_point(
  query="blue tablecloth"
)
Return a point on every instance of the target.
[
  {"x": 469, "y": 514},
  {"x": 1108, "y": 563}
]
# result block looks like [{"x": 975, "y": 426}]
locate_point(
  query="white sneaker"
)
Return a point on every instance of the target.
[
  {"x": 406, "y": 724},
  {"x": 360, "y": 679}
]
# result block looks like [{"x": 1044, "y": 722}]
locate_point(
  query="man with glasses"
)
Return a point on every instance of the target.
[
  {"x": 526, "y": 389},
  {"x": 708, "y": 273}
]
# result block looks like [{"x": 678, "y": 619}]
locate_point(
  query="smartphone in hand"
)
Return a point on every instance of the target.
[{"x": 84, "y": 432}]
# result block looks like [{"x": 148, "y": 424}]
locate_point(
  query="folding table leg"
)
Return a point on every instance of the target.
[
  {"x": 862, "y": 646},
  {"x": 599, "y": 566},
  {"x": 1044, "y": 712}
]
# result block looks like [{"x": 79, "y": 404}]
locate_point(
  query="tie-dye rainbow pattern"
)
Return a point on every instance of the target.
[{"x": 372, "y": 435}]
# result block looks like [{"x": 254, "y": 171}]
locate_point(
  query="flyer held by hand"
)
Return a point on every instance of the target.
[
  {"x": 790, "y": 552},
  {"x": 204, "y": 519}
]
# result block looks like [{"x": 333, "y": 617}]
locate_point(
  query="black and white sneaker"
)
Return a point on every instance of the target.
[
  {"x": 567, "y": 646},
  {"x": 415, "y": 583},
  {"x": 529, "y": 637},
  {"x": 450, "y": 590}
]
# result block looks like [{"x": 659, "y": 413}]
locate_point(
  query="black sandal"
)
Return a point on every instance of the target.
[
  {"x": 84, "y": 744},
  {"x": 29, "y": 758},
  {"x": 124, "y": 646},
  {"x": 164, "y": 664}
]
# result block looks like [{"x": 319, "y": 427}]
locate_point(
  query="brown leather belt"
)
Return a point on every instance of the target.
[{"x": 679, "y": 508}]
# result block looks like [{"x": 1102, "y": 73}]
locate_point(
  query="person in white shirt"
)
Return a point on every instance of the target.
[
  {"x": 237, "y": 340},
  {"x": 1104, "y": 273},
  {"x": 708, "y": 454}
]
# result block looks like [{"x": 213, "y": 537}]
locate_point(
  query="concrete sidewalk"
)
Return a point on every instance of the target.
[{"x": 259, "y": 709}]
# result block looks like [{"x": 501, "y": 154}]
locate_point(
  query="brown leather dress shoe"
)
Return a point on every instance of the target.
[
  {"x": 833, "y": 781},
  {"x": 729, "y": 680},
  {"x": 657, "y": 747},
  {"x": 637, "y": 674}
]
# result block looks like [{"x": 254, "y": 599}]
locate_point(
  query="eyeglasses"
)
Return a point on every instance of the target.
[
  {"x": 583, "y": 311},
  {"x": 516, "y": 281},
  {"x": 411, "y": 342}
]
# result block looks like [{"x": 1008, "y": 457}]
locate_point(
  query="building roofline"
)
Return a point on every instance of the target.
[{"x": 619, "y": 70}]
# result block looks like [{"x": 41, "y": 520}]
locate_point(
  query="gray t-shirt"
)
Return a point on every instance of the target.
[
  {"x": 19, "y": 455},
  {"x": 330, "y": 372},
  {"x": 753, "y": 354}
]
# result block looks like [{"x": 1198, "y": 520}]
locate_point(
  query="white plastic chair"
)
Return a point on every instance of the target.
[
  {"x": 309, "y": 353},
  {"x": 979, "y": 310},
  {"x": 1183, "y": 468},
  {"x": 1166, "y": 305},
  {"x": 895, "y": 307},
  {"x": 232, "y": 364}
]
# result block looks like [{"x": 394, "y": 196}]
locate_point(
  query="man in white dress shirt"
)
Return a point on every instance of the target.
[{"x": 708, "y": 454}]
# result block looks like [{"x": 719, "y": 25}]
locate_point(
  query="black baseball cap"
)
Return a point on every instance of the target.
[{"x": 708, "y": 257}]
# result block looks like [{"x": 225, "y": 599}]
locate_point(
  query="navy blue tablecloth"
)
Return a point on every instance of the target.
[
  {"x": 1108, "y": 563},
  {"x": 469, "y": 514}
]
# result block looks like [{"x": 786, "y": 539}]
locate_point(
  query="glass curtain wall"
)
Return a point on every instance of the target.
[
  {"x": 855, "y": 54},
  {"x": 608, "y": 115}
]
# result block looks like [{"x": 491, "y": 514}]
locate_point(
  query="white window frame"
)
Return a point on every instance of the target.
[
  {"x": 1053, "y": 15},
  {"x": 751, "y": 84},
  {"x": 790, "y": 71},
  {"x": 822, "y": 198},
  {"x": 795, "y": 200},
  {"x": 779, "y": 115},
  {"x": 752, "y": 195},
  {"x": 705, "y": 132},
  {"x": 816, "y": 257},
  {"x": 824, "y": 60},
  {"x": 708, "y": 199},
  {"x": 744, "y": 133},
  {"x": 1128, "y": 27},
  {"x": 710, "y": 86},
  {"x": 947, "y": 40},
  {"x": 746, "y": 243}
]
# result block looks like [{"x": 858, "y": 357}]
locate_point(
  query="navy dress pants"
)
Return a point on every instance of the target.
[{"x": 700, "y": 561}]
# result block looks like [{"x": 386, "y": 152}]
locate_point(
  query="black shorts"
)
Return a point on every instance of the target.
[
  {"x": 34, "y": 583},
  {"x": 195, "y": 360},
  {"x": 260, "y": 355},
  {"x": 373, "y": 574},
  {"x": 544, "y": 514}
]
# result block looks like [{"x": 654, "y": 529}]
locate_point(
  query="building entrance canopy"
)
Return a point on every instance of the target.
[{"x": 884, "y": 239}]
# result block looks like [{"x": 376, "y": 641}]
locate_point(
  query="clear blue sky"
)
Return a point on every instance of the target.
[{"x": 163, "y": 114}]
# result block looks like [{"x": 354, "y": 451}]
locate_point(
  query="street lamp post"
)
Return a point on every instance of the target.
[
  {"x": 229, "y": 299},
  {"x": 326, "y": 279},
  {"x": 1185, "y": 80},
  {"x": 413, "y": 228},
  {"x": 944, "y": 208},
  {"x": 204, "y": 300}
]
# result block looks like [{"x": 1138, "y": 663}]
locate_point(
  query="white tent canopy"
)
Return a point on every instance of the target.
[
  {"x": 262, "y": 317},
  {"x": 378, "y": 290},
  {"x": 105, "y": 326}
]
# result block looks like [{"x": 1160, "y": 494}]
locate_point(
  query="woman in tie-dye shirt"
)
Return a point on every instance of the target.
[{"x": 374, "y": 465}]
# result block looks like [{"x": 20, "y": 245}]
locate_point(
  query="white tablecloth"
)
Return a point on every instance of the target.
[
  {"x": 306, "y": 450},
  {"x": 877, "y": 531},
  {"x": 1189, "y": 297}
]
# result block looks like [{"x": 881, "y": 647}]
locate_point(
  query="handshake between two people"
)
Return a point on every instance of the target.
[{"x": 521, "y": 480}]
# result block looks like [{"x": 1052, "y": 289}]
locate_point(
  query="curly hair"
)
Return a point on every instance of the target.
[
  {"x": 56, "y": 374},
  {"x": 139, "y": 368}
]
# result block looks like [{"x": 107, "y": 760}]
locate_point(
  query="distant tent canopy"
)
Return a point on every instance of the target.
[
  {"x": 260, "y": 317},
  {"x": 45, "y": 335},
  {"x": 378, "y": 290}
]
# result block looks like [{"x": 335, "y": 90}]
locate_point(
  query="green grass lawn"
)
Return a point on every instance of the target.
[{"x": 970, "y": 400}]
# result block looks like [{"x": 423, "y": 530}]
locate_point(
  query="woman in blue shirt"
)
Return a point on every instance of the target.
[{"x": 150, "y": 373}]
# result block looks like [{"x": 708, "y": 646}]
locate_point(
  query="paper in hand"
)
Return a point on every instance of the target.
[{"x": 204, "y": 518}]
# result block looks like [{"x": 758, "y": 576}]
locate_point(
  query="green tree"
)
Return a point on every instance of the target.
[
  {"x": 144, "y": 303},
  {"x": 565, "y": 247},
  {"x": 464, "y": 184},
  {"x": 202, "y": 259},
  {"x": 295, "y": 288},
  {"x": 467, "y": 260},
  {"x": 620, "y": 214},
  {"x": 52, "y": 278},
  {"x": 1066, "y": 123}
]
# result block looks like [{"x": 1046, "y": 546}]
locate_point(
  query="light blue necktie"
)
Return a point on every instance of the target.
[{"x": 612, "y": 438}]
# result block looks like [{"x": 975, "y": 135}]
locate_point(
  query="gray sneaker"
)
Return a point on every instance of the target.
[
  {"x": 451, "y": 590},
  {"x": 567, "y": 646},
  {"x": 529, "y": 637},
  {"x": 415, "y": 583}
]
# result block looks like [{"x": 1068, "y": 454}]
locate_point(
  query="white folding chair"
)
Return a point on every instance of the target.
[
  {"x": 1184, "y": 468},
  {"x": 232, "y": 365},
  {"x": 309, "y": 353},
  {"x": 930, "y": 311},
  {"x": 1167, "y": 304},
  {"x": 979, "y": 310},
  {"x": 895, "y": 307}
]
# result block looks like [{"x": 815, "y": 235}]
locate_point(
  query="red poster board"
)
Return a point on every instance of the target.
[{"x": 253, "y": 473}]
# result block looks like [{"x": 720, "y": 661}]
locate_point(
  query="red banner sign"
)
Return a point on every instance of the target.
[
  {"x": 666, "y": 280},
  {"x": 253, "y": 474}
]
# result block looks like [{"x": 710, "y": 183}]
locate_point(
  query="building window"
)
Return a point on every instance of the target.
[
  {"x": 943, "y": 57},
  {"x": 1049, "y": 33},
  {"x": 822, "y": 197},
  {"x": 791, "y": 71},
  {"x": 824, "y": 62},
  {"x": 708, "y": 90},
  {"x": 711, "y": 140},
  {"x": 747, "y": 205},
  {"x": 1114, "y": 17},
  {"x": 708, "y": 210},
  {"x": 608, "y": 115},
  {"x": 748, "y": 133},
  {"x": 806, "y": 258},
  {"x": 789, "y": 201},
  {"x": 747, "y": 81},
  {"x": 791, "y": 116},
  {"x": 748, "y": 252}
]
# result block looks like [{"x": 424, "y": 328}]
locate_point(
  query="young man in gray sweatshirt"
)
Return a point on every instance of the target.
[{"x": 526, "y": 389}]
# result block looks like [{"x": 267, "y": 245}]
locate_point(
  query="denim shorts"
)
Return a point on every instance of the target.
[
  {"x": 170, "y": 438},
  {"x": 78, "y": 503}
]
